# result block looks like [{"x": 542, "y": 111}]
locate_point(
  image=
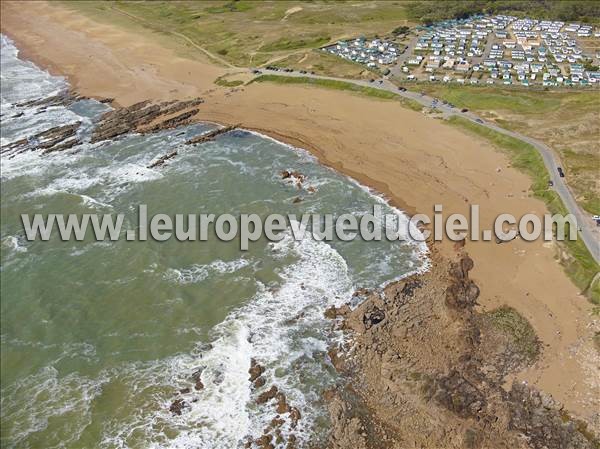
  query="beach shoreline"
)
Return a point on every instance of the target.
[{"x": 412, "y": 160}]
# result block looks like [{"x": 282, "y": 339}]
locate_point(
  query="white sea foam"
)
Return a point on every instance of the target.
[
  {"x": 197, "y": 272},
  {"x": 22, "y": 80},
  {"x": 14, "y": 244},
  {"x": 281, "y": 329},
  {"x": 50, "y": 396}
]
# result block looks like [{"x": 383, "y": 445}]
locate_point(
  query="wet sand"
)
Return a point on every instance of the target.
[{"x": 415, "y": 160}]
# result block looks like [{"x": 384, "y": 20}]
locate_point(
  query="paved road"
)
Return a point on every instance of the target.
[{"x": 588, "y": 230}]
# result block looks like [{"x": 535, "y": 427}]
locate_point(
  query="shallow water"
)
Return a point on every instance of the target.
[{"x": 97, "y": 337}]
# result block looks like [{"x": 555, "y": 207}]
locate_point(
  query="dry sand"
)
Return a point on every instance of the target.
[{"x": 415, "y": 160}]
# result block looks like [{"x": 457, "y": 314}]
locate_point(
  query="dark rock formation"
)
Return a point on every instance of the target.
[
  {"x": 144, "y": 117},
  {"x": 536, "y": 416},
  {"x": 372, "y": 317},
  {"x": 177, "y": 406},
  {"x": 267, "y": 395},
  {"x": 197, "y": 378},
  {"x": 462, "y": 292},
  {"x": 52, "y": 139},
  {"x": 255, "y": 371},
  {"x": 65, "y": 98},
  {"x": 161, "y": 160},
  {"x": 210, "y": 135}
]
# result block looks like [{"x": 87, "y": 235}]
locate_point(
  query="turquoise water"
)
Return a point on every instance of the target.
[{"x": 98, "y": 337}]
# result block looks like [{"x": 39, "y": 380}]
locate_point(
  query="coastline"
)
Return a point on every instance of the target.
[{"x": 288, "y": 114}]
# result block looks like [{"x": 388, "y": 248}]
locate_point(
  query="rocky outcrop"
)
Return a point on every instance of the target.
[
  {"x": 462, "y": 292},
  {"x": 426, "y": 369},
  {"x": 197, "y": 378},
  {"x": 53, "y": 139},
  {"x": 280, "y": 431},
  {"x": 145, "y": 117},
  {"x": 177, "y": 406},
  {"x": 211, "y": 135},
  {"x": 161, "y": 160},
  {"x": 266, "y": 396},
  {"x": 64, "y": 98},
  {"x": 545, "y": 425},
  {"x": 179, "y": 120}
]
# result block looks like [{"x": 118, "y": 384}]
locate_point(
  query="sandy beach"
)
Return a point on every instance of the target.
[{"x": 414, "y": 160}]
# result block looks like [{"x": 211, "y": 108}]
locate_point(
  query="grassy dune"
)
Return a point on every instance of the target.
[
  {"x": 578, "y": 263},
  {"x": 250, "y": 33},
  {"x": 341, "y": 85}
]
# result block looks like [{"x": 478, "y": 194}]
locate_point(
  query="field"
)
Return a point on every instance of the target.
[
  {"x": 567, "y": 121},
  {"x": 247, "y": 33}
]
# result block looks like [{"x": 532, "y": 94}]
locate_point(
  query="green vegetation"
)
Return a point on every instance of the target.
[
  {"x": 516, "y": 327},
  {"x": 490, "y": 99},
  {"x": 348, "y": 13},
  {"x": 514, "y": 100},
  {"x": 401, "y": 30},
  {"x": 580, "y": 265},
  {"x": 430, "y": 11},
  {"x": 340, "y": 85},
  {"x": 234, "y": 6},
  {"x": 221, "y": 81},
  {"x": 578, "y": 164},
  {"x": 249, "y": 33},
  {"x": 554, "y": 117},
  {"x": 293, "y": 44},
  {"x": 326, "y": 64}
]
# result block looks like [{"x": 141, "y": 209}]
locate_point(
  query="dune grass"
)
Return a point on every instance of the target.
[
  {"x": 515, "y": 326},
  {"x": 580, "y": 266},
  {"x": 340, "y": 85},
  {"x": 221, "y": 81},
  {"x": 249, "y": 33},
  {"x": 286, "y": 43}
]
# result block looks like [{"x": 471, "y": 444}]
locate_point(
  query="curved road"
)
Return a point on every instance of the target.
[{"x": 588, "y": 230}]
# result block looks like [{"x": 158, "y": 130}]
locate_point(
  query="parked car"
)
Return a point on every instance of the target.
[
  {"x": 402, "y": 89},
  {"x": 561, "y": 173},
  {"x": 550, "y": 183},
  {"x": 479, "y": 120},
  {"x": 464, "y": 110}
]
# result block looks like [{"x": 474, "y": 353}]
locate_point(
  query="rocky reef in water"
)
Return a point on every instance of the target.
[{"x": 144, "y": 117}]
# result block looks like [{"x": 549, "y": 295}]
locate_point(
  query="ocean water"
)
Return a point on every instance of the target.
[{"x": 98, "y": 337}]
